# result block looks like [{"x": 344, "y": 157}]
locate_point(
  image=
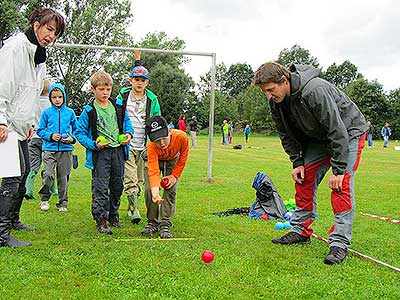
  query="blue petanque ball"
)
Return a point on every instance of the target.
[
  {"x": 279, "y": 226},
  {"x": 64, "y": 136},
  {"x": 287, "y": 225}
]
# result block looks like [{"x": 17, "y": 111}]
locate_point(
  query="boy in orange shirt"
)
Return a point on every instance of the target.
[{"x": 167, "y": 152}]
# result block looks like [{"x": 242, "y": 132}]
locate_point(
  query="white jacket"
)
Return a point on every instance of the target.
[{"x": 21, "y": 83}]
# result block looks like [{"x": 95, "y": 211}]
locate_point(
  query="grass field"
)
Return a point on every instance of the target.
[{"x": 69, "y": 260}]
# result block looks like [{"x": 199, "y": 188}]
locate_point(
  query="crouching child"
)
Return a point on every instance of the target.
[
  {"x": 167, "y": 153},
  {"x": 105, "y": 130}
]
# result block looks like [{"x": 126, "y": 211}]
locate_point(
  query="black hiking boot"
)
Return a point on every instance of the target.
[
  {"x": 336, "y": 255},
  {"x": 165, "y": 233},
  {"x": 102, "y": 226},
  {"x": 14, "y": 242},
  {"x": 292, "y": 238},
  {"x": 18, "y": 225},
  {"x": 150, "y": 229},
  {"x": 113, "y": 220}
]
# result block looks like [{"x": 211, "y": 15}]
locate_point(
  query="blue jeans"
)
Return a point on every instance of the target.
[
  {"x": 385, "y": 141},
  {"x": 369, "y": 137}
]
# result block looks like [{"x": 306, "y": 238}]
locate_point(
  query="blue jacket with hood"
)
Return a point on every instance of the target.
[{"x": 60, "y": 120}]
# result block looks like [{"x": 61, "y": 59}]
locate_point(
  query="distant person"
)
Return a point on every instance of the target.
[
  {"x": 319, "y": 127},
  {"x": 22, "y": 61},
  {"x": 182, "y": 123},
  {"x": 225, "y": 130},
  {"x": 57, "y": 129},
  {"x": 99, "y": 127},
  {"x": 222, "y": 132},
  {"x": 230, "y": 132},
  {"x": 193, "y": 130},
  {"x": 370, "y": 134},
  {"x": 35, "y": 145},
  {"x": 141, "y": 105},
  {"x": 386, "y": 132},
  {"x": 171, "y": 125},
  {"x": 167, "y": 153},
  {"x": 246, "y": 133}
]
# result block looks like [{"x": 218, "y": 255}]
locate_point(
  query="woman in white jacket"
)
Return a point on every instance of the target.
[{"x": 22, "y": 71}]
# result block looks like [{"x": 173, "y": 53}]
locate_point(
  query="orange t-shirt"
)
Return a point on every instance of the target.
[{"x": 178, "y": 147}]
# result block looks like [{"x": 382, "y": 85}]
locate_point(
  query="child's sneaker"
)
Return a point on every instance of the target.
[
  {"x": 165, "y": 233},
  {"x": 44, "y": 205},
  {"x": 150, "y": 229},
  {"x": 62, "y": 209}
]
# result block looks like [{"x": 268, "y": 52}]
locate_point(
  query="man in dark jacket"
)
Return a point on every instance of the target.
[{"x": 319, "y": 127}]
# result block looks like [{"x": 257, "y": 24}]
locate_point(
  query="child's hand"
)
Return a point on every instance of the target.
[
  {"x": 56, "y": 137},
  {"x": 137, "y": 54},
  {"x": 68, "y": 140},
  {"x": 128, "y": 139},
  {"x": 171, "y": 181},
  {"x": 155, "y": 195},
  {"x": 101, "y": 145}
]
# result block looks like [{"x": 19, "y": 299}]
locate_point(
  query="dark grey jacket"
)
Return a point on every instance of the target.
[{"x": 316, "y": 111}]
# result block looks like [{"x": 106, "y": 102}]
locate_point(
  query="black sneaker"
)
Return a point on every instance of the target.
[
  {"x": 336, "y": 255},
  {"x": 292, "y": 238},
  {"x": 149, "y": 229},
  {"x": 14, "y": 243},
  {"x": 21, "y": 226},
  {"x": 165, "y": 233}
]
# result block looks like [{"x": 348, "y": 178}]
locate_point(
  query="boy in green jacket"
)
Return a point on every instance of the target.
[{"x": 141, "y": 104}]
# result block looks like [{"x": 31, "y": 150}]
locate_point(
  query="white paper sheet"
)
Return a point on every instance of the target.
[{"x": 9, "y": 157}]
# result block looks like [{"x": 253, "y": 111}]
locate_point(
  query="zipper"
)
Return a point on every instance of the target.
[{"x": 59, "y": 126}]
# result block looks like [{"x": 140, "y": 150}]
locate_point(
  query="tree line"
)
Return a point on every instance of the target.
[{"x": 105, "y": 22}]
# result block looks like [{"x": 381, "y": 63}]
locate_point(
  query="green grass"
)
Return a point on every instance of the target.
[{"x": 69, "y": 260}]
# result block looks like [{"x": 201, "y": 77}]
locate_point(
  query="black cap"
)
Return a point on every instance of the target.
[{"x": 157, "y": 128}]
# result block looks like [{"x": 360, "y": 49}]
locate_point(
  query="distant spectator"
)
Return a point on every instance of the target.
[
  {"x": 193, "y": 130},
  {"x": 370, "y": 134},
  {"x": 171, "y": 125},
  {"x": 230, "y": 132},
  {"x": 386, "y": 132},
  {"x": 182, "y": 123},
  {"x": 225, "y": 130},
  {"x": 246, "y": 133}
]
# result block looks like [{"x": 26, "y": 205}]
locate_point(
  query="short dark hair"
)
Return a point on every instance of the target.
[
  {"x": 44, "y": 16},
  {"x": 270, "y": 72}
]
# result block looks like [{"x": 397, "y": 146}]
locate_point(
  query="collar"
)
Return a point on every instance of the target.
[{"x": 40, "y": 53}]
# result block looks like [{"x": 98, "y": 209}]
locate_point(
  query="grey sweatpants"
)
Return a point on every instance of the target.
[
  {"x": 164, "y": 213},
  {"x": 35, "y": 154},
  {"x": 61, "y": 161}
]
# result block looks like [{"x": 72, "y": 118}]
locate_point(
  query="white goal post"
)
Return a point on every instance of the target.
[{"x": 212, "y": 96}]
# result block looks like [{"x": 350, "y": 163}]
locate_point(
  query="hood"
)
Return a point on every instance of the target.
[
  {"x": 301, "y": 75},
  {"x": 62, "y": 89}
]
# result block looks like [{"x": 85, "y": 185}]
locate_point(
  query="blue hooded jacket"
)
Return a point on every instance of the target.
[{"x": 60, "y": 120}]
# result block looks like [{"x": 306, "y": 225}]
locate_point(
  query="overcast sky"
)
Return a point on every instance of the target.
[{"x": 365, "y": 32}]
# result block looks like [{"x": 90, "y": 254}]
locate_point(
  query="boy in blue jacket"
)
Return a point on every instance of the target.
[
  {"x": 105, "y": 130},
  {"x": 56, "y": 127}
]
